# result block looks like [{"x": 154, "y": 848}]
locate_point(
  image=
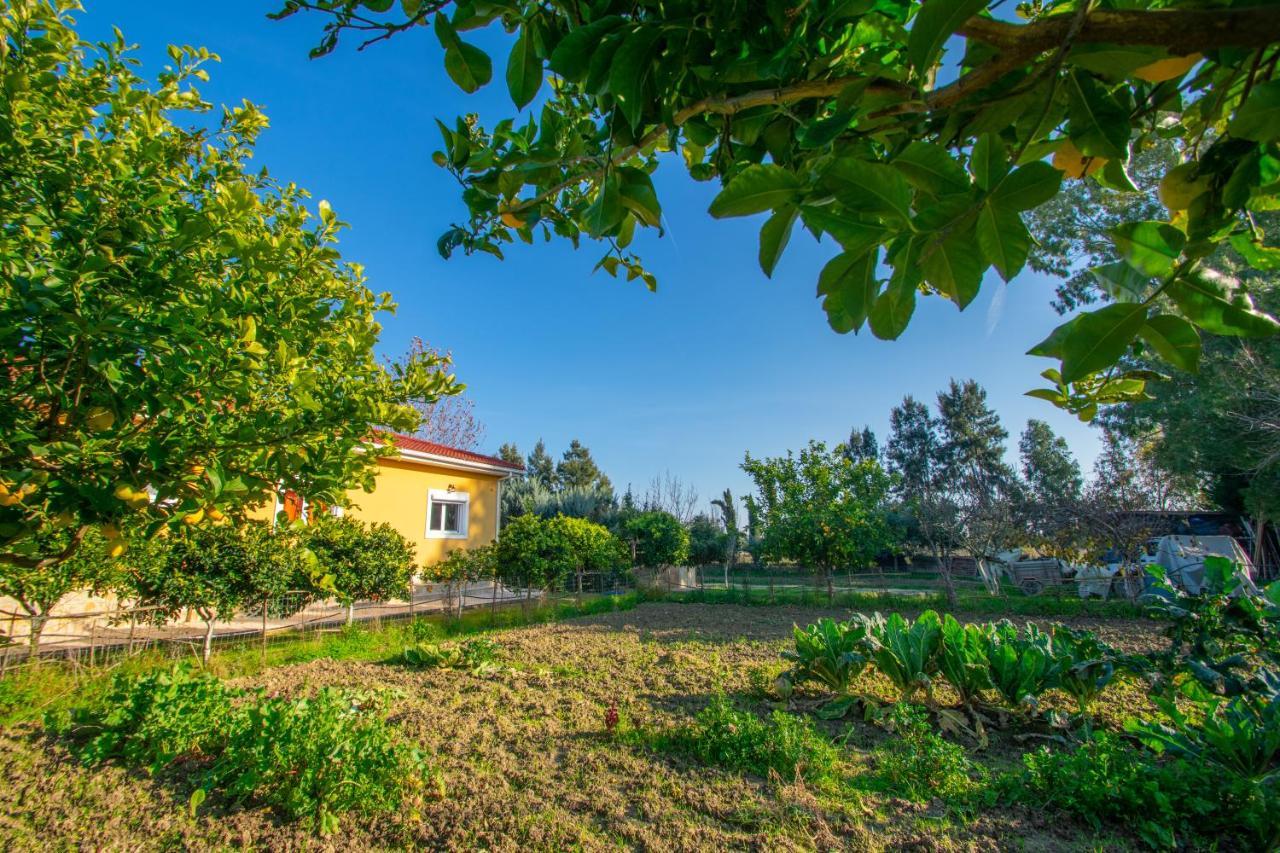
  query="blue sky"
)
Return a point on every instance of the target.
[{"x": 719, "y": 361}]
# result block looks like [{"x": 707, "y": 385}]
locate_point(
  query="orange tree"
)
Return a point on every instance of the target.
[
  {"x": 179, "y": 336},
  {"x": 911, "y": 136},
  {"x": 821, "y": 509}
]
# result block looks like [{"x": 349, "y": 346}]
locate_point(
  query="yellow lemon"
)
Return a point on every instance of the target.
[
  {"x": 115, "y": 548},
  {"x": 214, "y": 514},
  {"x": 125, "y": 492},
  {"x": 1179, "y": 187},
  {"x": 193, "y": 518},
  {"x": 100, "y": 419},
  {"x": 1069, "y": 160}
]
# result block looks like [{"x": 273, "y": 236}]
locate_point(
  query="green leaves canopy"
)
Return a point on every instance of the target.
[
  {"x": 178, "y": 334},
  {"x": 833, "y": 113}
]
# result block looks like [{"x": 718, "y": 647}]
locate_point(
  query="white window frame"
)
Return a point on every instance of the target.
[{"x": 463, "y": 502}]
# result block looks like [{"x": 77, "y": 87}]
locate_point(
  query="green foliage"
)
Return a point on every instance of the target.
[
  {"x": 1022, "y": 668},
  {"x": 540, "y": 553},
  {"x": 592, "y": 547},
  {"x": 1088, "y": 665},
  {"x": 463, "y": 565},
  {"x": 907, "y": 653},
  {"x": 319, "y": 757},
  {"x": 151, "y": 720},
  {"x": 1169, "y": 804},
  {"x": 659, "y": 537},
  {"x": 832, "y": 115},
  {"x": 479, "y": 656},
  {"x": 1239, "y": 737},
  {"x": 217, "y": 570},
  {"x": 163, "y": 372},
  {"x": 821, "y": 509},
  {"x": 917, "y": 763},
  {"x": 708, "y": 542},
  {"x": 737, "y": 740},
  {"x": 830, "y": 653},
  {"x": 963, "y": 662},
  {"x": 367, "y": 562}
]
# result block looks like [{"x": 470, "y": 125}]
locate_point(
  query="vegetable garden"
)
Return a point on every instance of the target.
[{"x": 691, "y": 726}]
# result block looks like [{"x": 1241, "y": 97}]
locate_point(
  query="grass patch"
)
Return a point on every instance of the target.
[
  {"x": 54, "y": 685},
  {"x": 1011, "y": 604}
]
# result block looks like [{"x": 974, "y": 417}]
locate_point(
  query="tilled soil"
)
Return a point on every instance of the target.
[{"x": 526, "y": 762}]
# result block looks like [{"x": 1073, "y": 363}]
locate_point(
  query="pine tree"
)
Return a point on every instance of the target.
[
  {"x": 508, "y": 452},
  {"x": 1051, "y": 472},
  {"x": 862, "y": 446},
  {"x": 578, "y": 470},
  {"x": 540, "y": 467},
  {"x": 914, "y": 447},
  {"x": 972, "y": 438}
]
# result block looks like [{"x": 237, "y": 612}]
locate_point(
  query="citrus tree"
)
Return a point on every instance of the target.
[
  {"x": 657, "y": 539},
  {"x": 911, "y": 136},
  {"x": 367, "y": 562},
  {"x": 821, "y": 509},
  {"x": 592, "y": 546},
  {"x": 179, "y": 336}
]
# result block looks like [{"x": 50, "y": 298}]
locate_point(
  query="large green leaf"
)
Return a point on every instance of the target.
[
  {"x": 524, "y": 70},
  {"x": 1051, "y": 346},
  {"x": 1151, "y": 248},
  {"x": 1099, "y": 338},
  {"x": 636, "y": 193},
  {"x": 1259, "y": 118},
  {"x": 892, "y": 310},
  {"x": 605, "y": 211},
  {"x": 954, "y": 266},
  {"x": 930, "y": 168},
  {"x": 757, "y": 188},
  {"x": 1122, "y": 282},
  {"x": 988, "y": 160},
  {"x": 850, "y": 285},
  {"x": 572, "y": 56},
  {"x": 1216, "y": 304},
  {"x": 853, "y": 235},
  {"x": 1028, "y": 186},
  {"x": 774, "y": 235},
  {"x": 630, "y": 71},
  {"x": 869, "y": 187},
  {"x": 1176, "y": 340},
  {"x": 1003, "y": 238},
  {"x": 934, "y": 24},
  {"x": 1097, "y": 123},
  {"x": 468, "y": 66}
]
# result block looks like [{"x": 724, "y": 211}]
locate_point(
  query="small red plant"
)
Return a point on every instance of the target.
[{"x": 611, "y": 718}]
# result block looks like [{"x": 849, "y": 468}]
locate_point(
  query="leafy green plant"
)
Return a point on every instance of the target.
[
  {"x": 738, "y": 740},
  {"x": 830, "y": 653},
  {"x": 908, "y": 653},
  {"x": 1086, "y": 665},
  {"x": 478, "y": 655},
  {"x": 366, "y": 561},
  {"x": 1179, "y": 803},
  {"x": 918, "y": 763},
  {"x": 1022, "y": 668},
  {"x": 152, "y": 719},
  {"x": 318, "y": 757},
  {"x": 1239, "y": 736},
  {"x": 963, "y": 660}
]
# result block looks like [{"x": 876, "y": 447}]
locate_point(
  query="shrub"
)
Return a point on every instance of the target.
[
  {"x": 919, "y": 764},
  {"x": 319, "y": 757},
  {"x": 151, "y": 720},
  {"x": 367, "y": 562},
  {"x": 1168, "y": 804},
  {"x": 660, "y": 539},
  {"x": 592, "y": 547},
  {"x": 737, "y": 740},
  {"x": 533, "y": 554}
]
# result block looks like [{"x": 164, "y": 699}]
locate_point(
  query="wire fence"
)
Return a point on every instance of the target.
[{"x": 96, "y": 637}]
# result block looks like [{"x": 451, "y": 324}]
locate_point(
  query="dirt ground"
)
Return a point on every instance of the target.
[{"x": 526, "y": 762}]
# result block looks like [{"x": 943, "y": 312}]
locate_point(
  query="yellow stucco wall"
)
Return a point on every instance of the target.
[{"x": 400, "y": 499}]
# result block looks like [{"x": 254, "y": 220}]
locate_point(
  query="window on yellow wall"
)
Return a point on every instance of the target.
[{"x": 447, "y": 513}]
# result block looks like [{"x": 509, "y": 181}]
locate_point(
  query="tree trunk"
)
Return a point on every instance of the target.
[
  {"x": 1259, "y": 545},
  {"x": 948, "y": 583},
  {"x": 208, "y": 639},
  {"x": 831, "y": 592},
  {"x": 351, "y": 613},
  {"x": 38, "y": 623}
]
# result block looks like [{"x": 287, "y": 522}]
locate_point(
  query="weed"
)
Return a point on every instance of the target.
[{"x": 918, "y": 764}]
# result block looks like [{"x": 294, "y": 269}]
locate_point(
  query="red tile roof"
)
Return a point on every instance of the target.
[{"x": 408, "y": 442}]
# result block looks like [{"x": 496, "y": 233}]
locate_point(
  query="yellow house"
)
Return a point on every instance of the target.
[{"x": 437, "y": 497}]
